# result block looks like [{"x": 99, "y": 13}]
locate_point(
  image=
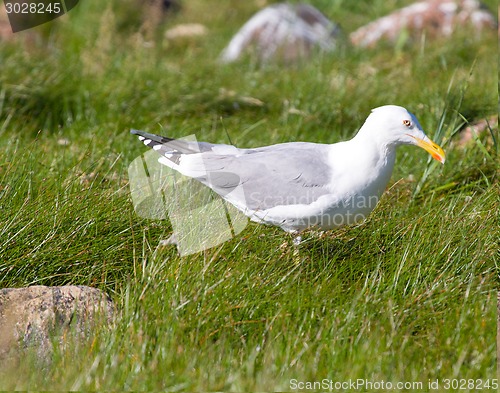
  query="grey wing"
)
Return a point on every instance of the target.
[{"x": 288, "y": 174}]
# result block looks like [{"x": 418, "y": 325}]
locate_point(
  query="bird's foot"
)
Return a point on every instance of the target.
[
  {"x": 171, "y": 241},
  {"x": 297, "y": 240}
]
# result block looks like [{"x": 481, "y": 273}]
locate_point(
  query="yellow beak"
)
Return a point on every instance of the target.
[{"x": 432, "y": 148}]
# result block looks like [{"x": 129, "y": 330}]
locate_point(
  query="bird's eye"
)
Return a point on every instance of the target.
[{"x": 407, "y": 122}]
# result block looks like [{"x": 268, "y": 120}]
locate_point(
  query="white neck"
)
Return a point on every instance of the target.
[
  {"x": 373, "y": 152},
  {"x": 364, "y": 164}
]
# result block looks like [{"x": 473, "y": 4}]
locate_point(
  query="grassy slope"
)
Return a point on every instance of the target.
[{"x": 407, "y": 296}]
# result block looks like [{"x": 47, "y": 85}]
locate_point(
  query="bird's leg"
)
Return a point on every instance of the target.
[{"x": 296, "y": 240}]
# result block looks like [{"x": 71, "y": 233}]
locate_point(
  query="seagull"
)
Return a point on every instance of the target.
[{"x": 301, "y": 185}]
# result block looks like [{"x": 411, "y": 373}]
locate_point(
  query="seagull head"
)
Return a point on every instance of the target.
[{"x": 393, "y": 125}]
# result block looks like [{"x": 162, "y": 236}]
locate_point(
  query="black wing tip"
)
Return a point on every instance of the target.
[{"x": 153, "y": 137}]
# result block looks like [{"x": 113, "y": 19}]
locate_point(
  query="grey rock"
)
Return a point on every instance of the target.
[
  {"x": 35, "y": 317},
  {"x": 283, "y": 32},
  {"x": 435, "y": 18}
]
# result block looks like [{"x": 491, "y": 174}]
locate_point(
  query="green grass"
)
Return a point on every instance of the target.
[{"x": 409, "y": 295}]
